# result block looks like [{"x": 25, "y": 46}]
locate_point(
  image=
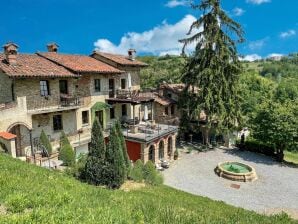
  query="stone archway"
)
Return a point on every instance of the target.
[
  {"x": 170, "y": 147},
  {"x": 161, "y": 150},
  {"x": 151, "y": 155},
  {"x": 22, "y": 131}
]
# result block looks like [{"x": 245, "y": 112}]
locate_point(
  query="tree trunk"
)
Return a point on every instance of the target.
[
  {"x": 280, "y": 155},
  {"x": 205, "y": 132}
]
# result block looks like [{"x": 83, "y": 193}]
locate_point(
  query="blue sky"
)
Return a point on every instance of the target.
[{"x": 151, "y": 27}]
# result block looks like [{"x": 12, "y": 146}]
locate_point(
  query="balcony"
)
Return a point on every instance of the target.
[
  {"x": 6, "y": 106},
  {"x": 130, "y": 96},
  {"x": 53, "y": 104},
  {"x": 148, "y": 131}
]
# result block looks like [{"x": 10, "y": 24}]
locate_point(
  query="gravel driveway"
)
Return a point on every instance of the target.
[{"x": 276, "y": 188}]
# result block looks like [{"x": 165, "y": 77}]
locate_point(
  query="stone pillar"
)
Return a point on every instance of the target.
[
  {"x": 12, "y": 146},
  {"x": 145, "y": 153}
]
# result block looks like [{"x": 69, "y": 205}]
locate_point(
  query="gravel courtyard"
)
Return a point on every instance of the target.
[{"x": 276, "y": 188}]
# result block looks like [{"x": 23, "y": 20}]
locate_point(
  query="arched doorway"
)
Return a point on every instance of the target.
[
  {"x": 170, "y": 146},
  {"x": 152, "y": 153},
  {"x": 161, "y": 152},
  {"x": 22, "y": 131}
]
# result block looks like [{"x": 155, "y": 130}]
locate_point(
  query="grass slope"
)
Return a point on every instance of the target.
[
  {"x": 29, "y": 194},
  {"x": 291, "y": 157}
]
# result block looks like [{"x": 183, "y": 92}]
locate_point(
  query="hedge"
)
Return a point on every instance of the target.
[{"x": 253, "y": 145}]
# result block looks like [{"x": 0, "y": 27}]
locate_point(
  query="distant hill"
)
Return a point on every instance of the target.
[{"x": 170, "y": 69}]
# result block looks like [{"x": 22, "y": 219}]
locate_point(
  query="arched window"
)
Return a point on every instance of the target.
[
  {"x": 152, "y": 153},
  {"x": 170, "y": 146},
  {"x": 161, "y": 150}
]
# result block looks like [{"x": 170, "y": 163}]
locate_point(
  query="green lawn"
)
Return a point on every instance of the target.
[
  {"x": 291, "y": 157},
  {"x": 29, "y": 194}
]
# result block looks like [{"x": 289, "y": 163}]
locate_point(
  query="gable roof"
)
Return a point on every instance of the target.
[
  {"x": 31, "y": 65},
  {"x": 119, "y": 59},
  {"x": 80, "y": 63},
  {"x": 165, "y": 101}
]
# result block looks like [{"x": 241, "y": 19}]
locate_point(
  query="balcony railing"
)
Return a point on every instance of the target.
[
  {"x": 131, "y": 94},
  {"x": 50, "y": 102},
  {"x": 5, "y": 106}
]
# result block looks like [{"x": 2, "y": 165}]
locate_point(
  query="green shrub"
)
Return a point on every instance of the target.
[
  {"x": 115, "y": 160},
  {"x": 137, "y": 173},
  {"x": 78, "y": 169},
  {"x": 44, "y": 141},
  {"x": 253, "y": 145},
  {"x": 63, "y": 140},
  {"x": 67, "y": 155},
  {"x": 151, "y": 175}
]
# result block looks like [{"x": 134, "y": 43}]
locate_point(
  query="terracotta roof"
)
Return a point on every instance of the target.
[
  {"x": 176, "y": 88},
  {"x": 80, "y": 63},
  {"x": 164, "y": 100},
  {"x": 7, "y": 135},
  {"x": 31, "y": 65},
  {"x": 120, "y": 59}
]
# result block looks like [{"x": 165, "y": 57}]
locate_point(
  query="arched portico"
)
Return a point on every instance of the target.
[
  {"x": 23, "y": 139},
  {"x": 151, "y": 154},
  {"x": 170, "y": 147},
  {"x": 161, "y": 150}
]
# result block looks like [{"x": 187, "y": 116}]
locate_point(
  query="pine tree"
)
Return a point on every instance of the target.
[
  {"x": 213, "y": 68},
  {"x": 115, "y": 160},
  {"x": 96, "y": 167},
  {"x": 124, "y": 148},
  {"x": 45, "y": 142}
]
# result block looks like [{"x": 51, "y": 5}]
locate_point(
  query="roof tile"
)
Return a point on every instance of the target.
[
  {"x": 80, "y": 63},
  {"x": 31, "y": 65}
]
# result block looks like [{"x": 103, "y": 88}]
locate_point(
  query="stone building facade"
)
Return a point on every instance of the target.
[{"x": 57, "y": 92}]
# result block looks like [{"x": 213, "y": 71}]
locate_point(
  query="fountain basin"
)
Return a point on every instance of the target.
[{"x": 236, "y": 171}]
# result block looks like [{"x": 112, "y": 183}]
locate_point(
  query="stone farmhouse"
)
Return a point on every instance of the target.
[{"x": 52, "y": 92}]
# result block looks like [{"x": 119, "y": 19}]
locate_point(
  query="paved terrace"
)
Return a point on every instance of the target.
[
  {"x": 148, "y": 134},
  {"x": 275, "y": 190}
]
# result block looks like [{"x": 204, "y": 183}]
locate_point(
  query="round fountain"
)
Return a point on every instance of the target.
[{"x": 236, "y": 171}]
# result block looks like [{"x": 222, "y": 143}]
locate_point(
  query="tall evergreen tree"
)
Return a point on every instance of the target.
[
  {"x": 213, "y": 68},
  {"x": 96, "y": 167},
  {"x": 124, "y": 148},
  {"x": 117, "y": 169}
]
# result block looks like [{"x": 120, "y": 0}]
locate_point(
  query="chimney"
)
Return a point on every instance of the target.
[
  {"x": 53, "y": 47},
  {"x": 11, "y": 51},
  {"x": 132, "y": 54}
]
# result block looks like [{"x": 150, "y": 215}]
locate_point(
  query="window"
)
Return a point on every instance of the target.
[
  {"x": 44, "y": 88},
  {"x": 85, "y": 117},
  {"x": 124, "y": 110},
  {"x": 112, "y": 113},
  {"x": 172, "y": 109},
  {"x": 123, "y": 83},
  {"x": 97, "y": 85},
  {"x": 57, "y": 122},
  {"x": 63, "y": 86},
  {"x": 167, "y": 110}
]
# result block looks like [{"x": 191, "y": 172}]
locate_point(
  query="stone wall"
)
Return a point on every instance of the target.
[
  {"x": 31, "y": 89},
  {"x": 5, "y": 89}
]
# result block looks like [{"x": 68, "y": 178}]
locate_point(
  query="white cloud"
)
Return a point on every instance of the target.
[
  {"x": 287, "y": 34},
  {"x": 160, "y": 40},
  {"x": 274, "y": 55},
  {"x": 251, "y": 57},
  {"x": 238, "y": 11},
  {"x": 258, "y": 44},
  {"x": 175, "y": 3},
  {"x": 257, "y": 2}
]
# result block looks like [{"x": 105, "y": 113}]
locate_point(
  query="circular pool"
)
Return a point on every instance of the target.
[{"x": 236, "y": 171}]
